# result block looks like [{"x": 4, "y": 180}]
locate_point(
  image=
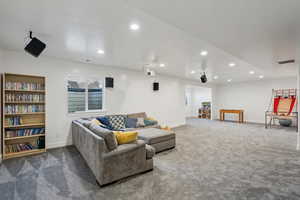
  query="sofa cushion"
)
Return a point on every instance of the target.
[
  {"x": 130, "y": 122},
  {"x": 125, "y": 137},
  {"x": 117, "y": 122},
  {"x": 107, "y": 135},
  {"x": 150, "y": 151},
  {"x": 126, "y": 148},
  {"x": 154, "y": 135},
  {"x": 137, "y": 115}
]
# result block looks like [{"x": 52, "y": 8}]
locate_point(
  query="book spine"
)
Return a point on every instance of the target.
[{"x": 24, "y": 86}]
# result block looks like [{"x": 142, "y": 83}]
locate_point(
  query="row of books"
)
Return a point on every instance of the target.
[
  {"x": 24, "y": 86},
  {"x": 13, "y": 148},
  {"x": 14, "y": 121},
  {"x": 12, "y": 97},
  {"x": 12, "y": 109},
  {"x": 24, "y": 132}
]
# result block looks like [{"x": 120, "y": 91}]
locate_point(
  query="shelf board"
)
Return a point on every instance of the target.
[
  {"x": 29, "y": 91},
  {"x": 24, "y": 75},
  {"x": 24, "y": 102},
  {"x": 18, "y": 114},
  {"x": 25, "y": 125},
  {"x": 24, "y": 137},
  {"x": 23, "y": 153}
]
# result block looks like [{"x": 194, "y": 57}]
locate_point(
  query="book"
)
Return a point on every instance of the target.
[
  {"x": 14, "y": 121},
  {"x": 14, "y": 148},
  {"x": 24, "y": 86},
  {"x": 12, "y": 97},
  {"x": 24, "y": 132},
  {"x": 20, "y": 109}
]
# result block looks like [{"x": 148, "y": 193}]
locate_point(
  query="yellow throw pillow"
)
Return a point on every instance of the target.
[
  {"x": 126, "y": 137},
  {"x": 151, "y": 118},
  {"x": 166, "y": 128}
]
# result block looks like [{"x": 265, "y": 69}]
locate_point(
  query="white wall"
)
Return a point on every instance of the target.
[
  {"x": 252, "y": 97},
  {"x": 132, "y": 92},
  {"x": 196, "y": 95}
]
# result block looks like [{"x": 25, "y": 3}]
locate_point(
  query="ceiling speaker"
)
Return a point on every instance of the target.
[
  {"x": 35, "y": 46},
  {"x": 109, "y": 82},
  {"x": 155, "y": 86}
]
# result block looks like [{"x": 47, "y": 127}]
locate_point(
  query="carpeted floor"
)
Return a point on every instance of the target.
[{"x": 212, "y": 160}]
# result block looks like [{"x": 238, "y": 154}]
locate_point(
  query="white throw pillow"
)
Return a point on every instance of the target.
[{"x": 140, "y": 122}]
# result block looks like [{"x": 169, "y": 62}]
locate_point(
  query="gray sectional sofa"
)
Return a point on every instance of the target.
[
  {"x": 110, "y": 163},
  {"x": 109, "y": 166}
]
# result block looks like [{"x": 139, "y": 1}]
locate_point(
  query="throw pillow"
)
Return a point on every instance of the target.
[
  {"x": 166, "y": 128},
  {"x": 117, "y": 122},
  {"x": 140, "y": 122},
  {"x": 126, "y": 137},
  {"x": 131, "y": 122},
  {"x": 150, "y": 122},
  {"x": 95, "y": 121},
  {"x": 104, "y": 120},
  {"x": 151, "y": 118},
  {"x": 107, "y": 135}
]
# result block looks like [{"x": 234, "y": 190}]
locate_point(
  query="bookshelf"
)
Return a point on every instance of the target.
[{"x": 23, "y": 116}]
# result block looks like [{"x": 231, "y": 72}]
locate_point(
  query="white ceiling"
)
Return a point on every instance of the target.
[
  {"x": 258, "y": 32},
  {"x": 255, "y": 32}
]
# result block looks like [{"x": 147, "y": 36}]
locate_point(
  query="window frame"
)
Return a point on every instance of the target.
[{"x": 102, "y": 81}]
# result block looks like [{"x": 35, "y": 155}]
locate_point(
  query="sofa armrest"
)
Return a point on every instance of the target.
[{"x": 91, "y": 147}]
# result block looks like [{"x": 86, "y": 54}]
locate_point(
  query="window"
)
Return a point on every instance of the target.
[{"x": 85, "y": 96}]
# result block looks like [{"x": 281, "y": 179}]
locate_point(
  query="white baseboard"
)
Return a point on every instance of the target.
[{"x": 58, "y": 144}]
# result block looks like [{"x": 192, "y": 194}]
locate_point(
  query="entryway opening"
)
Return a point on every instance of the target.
[{"x": 198, "y": 102}]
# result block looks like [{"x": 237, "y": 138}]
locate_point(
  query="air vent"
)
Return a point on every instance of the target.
[{"x": 286, "y": 62}]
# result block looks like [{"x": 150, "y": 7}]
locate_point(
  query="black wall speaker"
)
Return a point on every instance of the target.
[
  {"x": 155, "y": 86},
  {"x": 109, "y": 82},
  {"x": 35, "y": 47}
]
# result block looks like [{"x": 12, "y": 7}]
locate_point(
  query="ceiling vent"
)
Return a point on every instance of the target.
[{"x": 286, "y": 62}]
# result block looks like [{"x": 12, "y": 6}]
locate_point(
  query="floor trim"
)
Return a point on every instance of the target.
[{"x": 57, "y": 144}]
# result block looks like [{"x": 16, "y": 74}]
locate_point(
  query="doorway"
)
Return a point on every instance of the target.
[{"x": 198, "y": 102}]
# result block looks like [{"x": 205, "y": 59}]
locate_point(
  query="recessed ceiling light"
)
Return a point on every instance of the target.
[
  {"x": 229, "y": 80},
  {"x": 203, "y": 53},
  {"x": 134, "y": 27},
  {"x": 100, "y": 51},
  {"x": 193, "y": 72},
  {"x": 162, "y": 65},
  {"x": 232, "y": 64},
  {"x": 216, "y": 77},
  {"x": 261, "y": 76},
  {"x": 252, "y": 72}
]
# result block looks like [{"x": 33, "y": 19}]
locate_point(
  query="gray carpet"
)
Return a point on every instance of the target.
[{"x": 212, "y": 160}]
